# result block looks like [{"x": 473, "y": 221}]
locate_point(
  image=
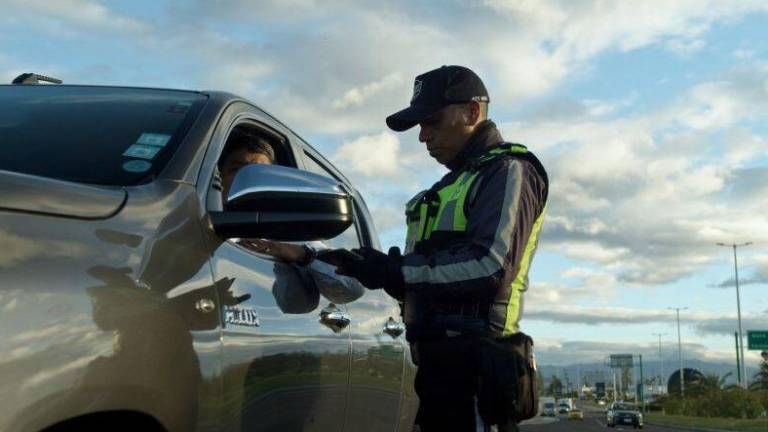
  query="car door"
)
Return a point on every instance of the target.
[
  {"x": 284, "y": 368},
  {"x": 376, "y": 381}
]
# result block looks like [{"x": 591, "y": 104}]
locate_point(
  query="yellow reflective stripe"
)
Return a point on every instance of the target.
[
  {"x": 447, "y": 194},
  {"x": 521, "y": 279},
  {"x": 423, "y": 222},
  {"x": 512, "y": 324},
  {"x": 459, "y": 217}
]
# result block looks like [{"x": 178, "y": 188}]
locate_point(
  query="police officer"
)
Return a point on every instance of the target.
[{"x": 471, "y": 238}]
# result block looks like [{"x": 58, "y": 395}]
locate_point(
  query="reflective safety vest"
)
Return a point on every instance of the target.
[{"x": 437, "y": 219}]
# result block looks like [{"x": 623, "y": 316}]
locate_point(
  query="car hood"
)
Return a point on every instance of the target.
[{"x": 32, "y": 194}]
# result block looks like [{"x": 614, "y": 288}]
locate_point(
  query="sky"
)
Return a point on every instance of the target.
[{"x": 650, "y": 118}]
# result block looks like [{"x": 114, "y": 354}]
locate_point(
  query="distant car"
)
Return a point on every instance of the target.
[
  {"x": 576, "y": 414},
  {"x": 563, "y": 409},
  {"x": 601, "y": 402},
  {"x": 549, "y": 409},
  {"x": 622, "y": 413}
]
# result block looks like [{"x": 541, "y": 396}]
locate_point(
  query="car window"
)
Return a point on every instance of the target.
[
  {"x": 350, "y": 238},
  {"x": 314, "y": 165},
  {"x": 96, "y": 135}
]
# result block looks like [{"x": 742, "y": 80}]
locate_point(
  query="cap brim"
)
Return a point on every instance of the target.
[{"x": 410, "y": 117}]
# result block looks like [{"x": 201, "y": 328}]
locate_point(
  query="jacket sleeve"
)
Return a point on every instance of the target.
[
  {"x": 499, "y": 221},
  {"x": 335, "y": 287}
]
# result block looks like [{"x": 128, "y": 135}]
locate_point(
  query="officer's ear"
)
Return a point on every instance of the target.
[{"x": 473, "y": 113}]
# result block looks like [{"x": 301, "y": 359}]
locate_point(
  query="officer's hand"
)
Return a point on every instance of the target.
[{"x": 370, "y": 270}]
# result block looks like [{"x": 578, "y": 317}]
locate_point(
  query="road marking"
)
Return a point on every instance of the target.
[{"x": 600, "y": 423}]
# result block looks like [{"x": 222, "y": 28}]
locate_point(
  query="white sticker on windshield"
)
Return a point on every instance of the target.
[
  {"x": 153, "y": 139},
  {"x": 142, "y": 151},
  {"x": 137, "y": 166}
]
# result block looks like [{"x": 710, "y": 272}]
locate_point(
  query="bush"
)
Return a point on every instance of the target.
[{"x": 717, "y": 403}]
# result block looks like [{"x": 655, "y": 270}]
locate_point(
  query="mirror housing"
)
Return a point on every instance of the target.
[{"x": 285, "y": 204}]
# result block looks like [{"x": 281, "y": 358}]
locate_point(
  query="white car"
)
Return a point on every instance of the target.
[{"x": 549, "y": 409}]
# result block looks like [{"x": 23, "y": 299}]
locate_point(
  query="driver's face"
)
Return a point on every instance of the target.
[{"x": 237, "y": 160}]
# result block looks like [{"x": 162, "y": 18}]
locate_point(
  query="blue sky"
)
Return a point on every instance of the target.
[{"x": 651, "y": 121}]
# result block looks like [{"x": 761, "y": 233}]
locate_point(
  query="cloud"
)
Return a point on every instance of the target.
[
  {"x": 685, "y": 47},
  {"x": 703, "y": 323},
  {"x": 743, "y": 54},
  {"x": 357, "y": 96},
  {"x": 370, "y": 155},
  {"x": 650, "y": 194},
  {"x": 331, "y": 68},
  {"x": 555, "y": 352},
  {"x": 73, "y": 16}
]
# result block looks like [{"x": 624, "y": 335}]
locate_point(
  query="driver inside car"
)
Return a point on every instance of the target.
[{"x": 244, "y": 149}]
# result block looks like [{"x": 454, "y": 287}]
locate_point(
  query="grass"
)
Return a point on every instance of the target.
[{"x": 730, "y": 424}]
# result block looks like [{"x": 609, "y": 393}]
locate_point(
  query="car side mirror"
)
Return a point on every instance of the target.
[{"x": 285, "y": 204}]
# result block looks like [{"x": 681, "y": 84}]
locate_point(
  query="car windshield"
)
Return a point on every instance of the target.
[
  {"x": 624, "y": 407},
  {"x": 97, "y": 135}
]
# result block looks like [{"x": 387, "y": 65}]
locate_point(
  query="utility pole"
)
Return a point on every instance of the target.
[
  {"x": 642, "y": 384},
  {"x": 738, "y": 308},
  {"x": 661, "y": 364},
  {"x": 738, "y": 362},
  {"x": 578, "y": 381},
  {"x": 680, "y": 351}
]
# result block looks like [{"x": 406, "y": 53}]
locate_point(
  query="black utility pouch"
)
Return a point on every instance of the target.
[{"x": 507, "y": 373}]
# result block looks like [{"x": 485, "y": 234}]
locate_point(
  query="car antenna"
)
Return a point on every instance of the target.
[{"x": 33, "y": 78}]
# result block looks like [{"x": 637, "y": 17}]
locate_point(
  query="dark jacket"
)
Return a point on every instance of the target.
[{"x": 469, "y": 285}]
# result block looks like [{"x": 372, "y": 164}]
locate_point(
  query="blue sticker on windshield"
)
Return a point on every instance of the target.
[
  {"x": 137, "y": 166},
  {"x": 142, "y": 151},
  {"x": 153, "y": 139}
]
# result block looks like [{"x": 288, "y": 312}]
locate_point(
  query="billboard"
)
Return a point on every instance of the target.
[{"x": 621, "y": 361}]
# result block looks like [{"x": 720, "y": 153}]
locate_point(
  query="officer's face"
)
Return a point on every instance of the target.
[{"x": 446, "y": 132}]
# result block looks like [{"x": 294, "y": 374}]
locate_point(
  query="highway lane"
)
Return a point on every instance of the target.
[{"x": 593, "y": 422}]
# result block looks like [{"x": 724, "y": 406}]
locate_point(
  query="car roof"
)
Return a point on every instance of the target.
[
  {"x": 217, "y": 101},
  {"x": 215, "y": 97}
]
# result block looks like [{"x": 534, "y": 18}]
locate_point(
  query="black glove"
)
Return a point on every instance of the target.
[{"x": 376, "y": 269}]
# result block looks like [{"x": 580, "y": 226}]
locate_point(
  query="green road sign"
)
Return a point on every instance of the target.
[{"x": 757, "y": 339}]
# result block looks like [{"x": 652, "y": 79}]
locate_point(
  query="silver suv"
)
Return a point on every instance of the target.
[
  {"x": 126, "y": 298},
  {"x": 623, "y": 413}
]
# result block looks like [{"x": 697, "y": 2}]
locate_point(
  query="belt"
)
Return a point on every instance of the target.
[{"x": 469, "y": 310}]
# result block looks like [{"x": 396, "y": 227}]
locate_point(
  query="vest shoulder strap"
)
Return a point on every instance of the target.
[
  {"x": 508, "y": 150},
  {"x": 413, "y": 204},
  {"x": 496, "y": 152}
]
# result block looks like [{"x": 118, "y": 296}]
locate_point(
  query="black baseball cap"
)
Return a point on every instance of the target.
[{"x": 436, "y": 89}]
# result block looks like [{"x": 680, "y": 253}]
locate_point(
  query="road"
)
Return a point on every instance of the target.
[{"x": 593, "y": 421}]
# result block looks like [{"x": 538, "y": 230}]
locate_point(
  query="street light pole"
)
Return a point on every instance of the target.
[
  {"x": 680, "y": 351},
  {"x": 661, "y": 364},
  {"x": 738, "y": 308}
]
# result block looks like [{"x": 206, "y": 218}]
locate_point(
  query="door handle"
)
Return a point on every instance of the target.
[
  {"x": 394, "y": 328},
  {"x": 334, "y": 318},
  {"x": 205, "y": 305}
]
